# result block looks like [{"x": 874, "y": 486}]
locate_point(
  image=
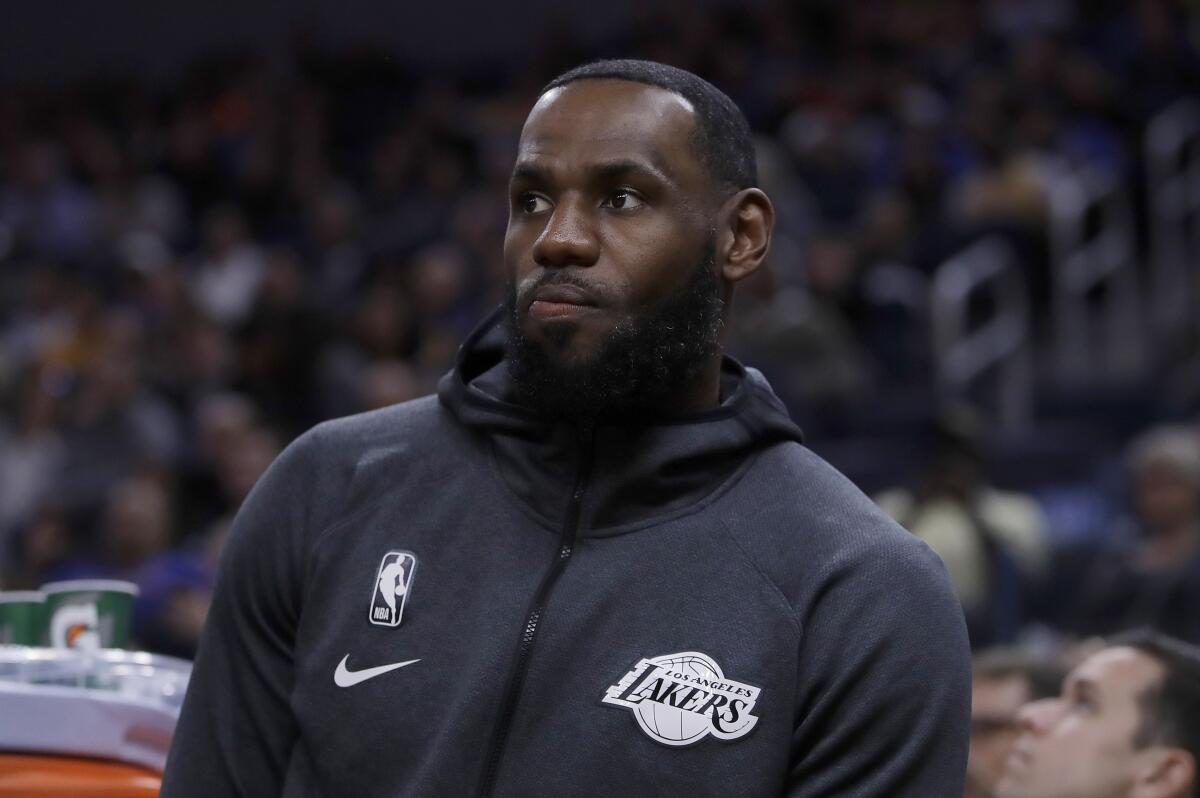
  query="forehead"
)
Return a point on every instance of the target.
[
  {"x": 1119, "y": 672},
  {"x": 605, "y": 119},
  {"x": 999, "y": 693}
]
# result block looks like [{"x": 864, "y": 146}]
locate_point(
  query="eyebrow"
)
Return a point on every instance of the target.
[
  {"x": 608, "y": 170},
  {"x": 1085, "y": 687},
  {"x": 617, "y": 169}
]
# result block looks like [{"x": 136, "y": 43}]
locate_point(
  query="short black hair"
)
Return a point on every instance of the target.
[
  {"x": 1170, "y": 710},
  {"x": 721, "y": 139},
  {"x": 1043, "y": 675}
]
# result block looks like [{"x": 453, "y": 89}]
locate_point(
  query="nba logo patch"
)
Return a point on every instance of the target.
[
  {"x": 392, "y": 584},
  {"x": 679, "y": 699}
]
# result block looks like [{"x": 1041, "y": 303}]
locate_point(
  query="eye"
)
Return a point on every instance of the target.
[
  {"x": 623, "y": 200},
  {"x": 532, "y": 203}
]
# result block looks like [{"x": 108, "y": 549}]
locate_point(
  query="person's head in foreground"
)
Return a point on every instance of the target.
[
  {"x": 1127, "y": 725},
  {"x": 1002, "y": 681},
  {"x": 632, "y": 212}
]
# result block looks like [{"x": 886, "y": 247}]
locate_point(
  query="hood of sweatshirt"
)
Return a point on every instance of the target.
[{"x": 638, "y": 473}]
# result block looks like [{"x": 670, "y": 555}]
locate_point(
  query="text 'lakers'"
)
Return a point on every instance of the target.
[{"x": 678, "y": 699}]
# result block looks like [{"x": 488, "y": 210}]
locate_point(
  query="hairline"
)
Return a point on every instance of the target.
[
  {"x": 697, "y": 138},
  {"x": 1041, "y": 676},
  {"x": 718, "y": 188},
  {"x": 556, "y": 86}
]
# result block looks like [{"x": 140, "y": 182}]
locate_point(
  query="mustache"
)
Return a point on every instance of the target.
[{"x": 523, "y": 292}]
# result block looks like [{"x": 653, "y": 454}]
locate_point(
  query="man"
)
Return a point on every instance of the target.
[
  {"x": 1127, "y": 725},
  {"x": 1002, "y": 681},
  {"x": 1149, "y": 575},
  {"x": 630, "y": 578},
  {"x": 993, "y": 542}
]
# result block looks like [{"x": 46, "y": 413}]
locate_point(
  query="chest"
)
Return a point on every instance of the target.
[{"x": 448, "y": 641}]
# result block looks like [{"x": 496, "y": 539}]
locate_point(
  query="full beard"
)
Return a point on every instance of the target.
[{"x": 642, "y": 364}]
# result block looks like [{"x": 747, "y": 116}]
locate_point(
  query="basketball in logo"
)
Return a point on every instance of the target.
[
  {"x": 390, "y": 589},
  {"x": 671, "y": 723},
  {"x": 678, "y": 699}
]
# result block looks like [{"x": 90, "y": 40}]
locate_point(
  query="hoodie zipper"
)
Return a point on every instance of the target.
[{"x": 537, "y": 610}]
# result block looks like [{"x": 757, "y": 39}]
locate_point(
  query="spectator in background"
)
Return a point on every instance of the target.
[
  {"x": 228, "y": 275},
  {"x": 383, "y": 326},
  {"x": 390, "y": 382},
  {"x": 135, "y": 526},
  {"x": 332, "y": 246},
  {"x": 31, "y": 452},
  {"x": 231, "y": 450},
  {"x": 117, "y": 423},
  {"x": 993, "y": 542},
  {"x": 37, "y": 549},
  {"x": 278, "y": 344},
  {"x": 48, "y": 214},
  {"x": 1127, "y": 725},
  {"x": 1150, "y": 575},
  {"x": 442, "y": 290},
  {"x": 800, "y": 329},
  {"x": 137, "y": 543},
  {"x": 1003, "y": 680}
]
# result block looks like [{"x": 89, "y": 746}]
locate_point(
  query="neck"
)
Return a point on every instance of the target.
[{"x": 702, "y": 393}]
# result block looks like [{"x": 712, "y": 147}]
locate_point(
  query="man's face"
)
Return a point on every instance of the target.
[
  {"x": 1081, "y": 744},
  {"x": 994, "y": 706},
  {"x": 610, "y": 219},
  {"x": 1165, "y": 496}
]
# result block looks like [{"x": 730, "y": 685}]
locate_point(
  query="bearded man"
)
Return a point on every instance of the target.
[{"x": 631, "y": 578}]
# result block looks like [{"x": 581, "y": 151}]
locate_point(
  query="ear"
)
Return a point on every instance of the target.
[
  {"x": 1168, "y": 773},
  {"x": 746, "y": 221}
]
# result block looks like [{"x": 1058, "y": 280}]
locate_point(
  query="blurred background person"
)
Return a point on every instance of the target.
[
  {"x": 1126, "y": 725},
  {"x": 32, "y": 452},
  {"x": 1002, "y": 681},
  {"x": 994, "y": 543},
  {"x": 137, "y": 542},
  {"x": 1148, "y": 574}
]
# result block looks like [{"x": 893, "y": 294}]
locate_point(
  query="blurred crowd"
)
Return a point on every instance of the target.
[{"x": 190, "y": 277}]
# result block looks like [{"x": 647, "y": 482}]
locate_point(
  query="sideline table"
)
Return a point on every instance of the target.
[{"x": 86, "y": 723}]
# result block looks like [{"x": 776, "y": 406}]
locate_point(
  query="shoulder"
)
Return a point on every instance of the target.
[
  {"x": 792, "y": 501},
  {"x": 399, "y": 431},
  {"x": 344, "y": 460},
  {"x": 808, "y": 528},
  {"x": 375, "y": 428}
]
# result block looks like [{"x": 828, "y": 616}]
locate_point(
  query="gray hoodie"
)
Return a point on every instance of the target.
[{"x": 685, "y": 606}]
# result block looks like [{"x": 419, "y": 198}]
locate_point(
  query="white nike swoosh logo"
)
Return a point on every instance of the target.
[{"x": 344, "y": 677}]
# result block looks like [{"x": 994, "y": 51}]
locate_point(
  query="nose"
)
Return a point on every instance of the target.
[
  {"x": 1038, "y": 716},
  {"x": 568, "y": 239}
]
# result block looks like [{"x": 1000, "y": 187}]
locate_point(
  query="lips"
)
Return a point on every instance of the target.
[
  {"x": 563, "y": 294},
  {"x": 561, "y": 299}
]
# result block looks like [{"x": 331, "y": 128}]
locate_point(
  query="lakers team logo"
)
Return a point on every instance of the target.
[
  {"x": 392, "y": 584},
  {"x": 677, "y": 699}
]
